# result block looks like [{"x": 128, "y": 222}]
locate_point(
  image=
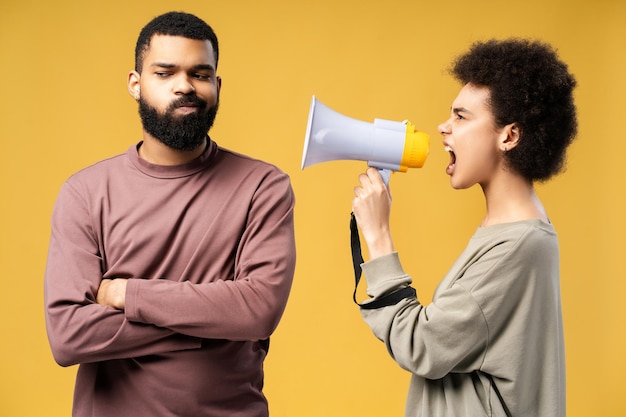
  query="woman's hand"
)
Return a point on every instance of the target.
[{"x": 371, "y": 207}]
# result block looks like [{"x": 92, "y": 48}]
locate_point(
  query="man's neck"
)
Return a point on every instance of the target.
[{"x": 158, "y": 153}]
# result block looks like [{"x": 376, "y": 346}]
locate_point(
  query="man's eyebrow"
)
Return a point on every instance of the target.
[
  {"x": 205, "y": 67},
  {"x": 162, "y": 65}
]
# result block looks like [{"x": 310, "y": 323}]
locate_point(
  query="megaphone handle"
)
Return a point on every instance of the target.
[{"x": 386, "y": 174}]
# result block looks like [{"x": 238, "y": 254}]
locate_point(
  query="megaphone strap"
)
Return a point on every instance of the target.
[{"x": 357, "y": 259}]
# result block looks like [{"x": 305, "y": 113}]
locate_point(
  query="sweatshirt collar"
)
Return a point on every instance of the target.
[{"x": 174, "y": 171}]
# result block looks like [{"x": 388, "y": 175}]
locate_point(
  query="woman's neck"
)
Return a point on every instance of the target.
[{"x": 512, "y": 199}]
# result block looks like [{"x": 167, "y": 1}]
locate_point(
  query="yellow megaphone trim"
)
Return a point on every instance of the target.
[{"x": 416, "y": 148}]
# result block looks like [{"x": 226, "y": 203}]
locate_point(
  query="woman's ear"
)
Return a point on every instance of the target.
[
  {"x": 511, "y": 137},
  {"x": 133, "y": 85}
]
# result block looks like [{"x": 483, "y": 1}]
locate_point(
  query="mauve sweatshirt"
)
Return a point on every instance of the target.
[{"x": 209, "y": 251}]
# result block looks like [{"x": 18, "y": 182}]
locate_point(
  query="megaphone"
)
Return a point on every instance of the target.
[{"x": 386, "y": 145}]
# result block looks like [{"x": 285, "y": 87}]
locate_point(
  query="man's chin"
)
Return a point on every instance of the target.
[
  {"x": 183, "y": 128},
  {"x": 183, "y": 144}
]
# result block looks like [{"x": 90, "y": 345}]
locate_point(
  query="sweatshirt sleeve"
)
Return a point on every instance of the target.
[
  {"x": 79, "y": 329},
  {"x": 449, "y": 335},
  {"x": 247, "y": 307}
]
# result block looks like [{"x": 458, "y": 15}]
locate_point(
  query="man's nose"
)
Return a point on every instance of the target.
[{"x": 183, "y": 85}]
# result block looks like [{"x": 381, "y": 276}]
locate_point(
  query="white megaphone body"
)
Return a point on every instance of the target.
[{"x": 384, "y": 144}]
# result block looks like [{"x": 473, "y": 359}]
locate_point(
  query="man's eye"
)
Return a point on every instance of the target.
[
  {"x": 202, "y": 76},
  {"x": 162, "y": 74}
]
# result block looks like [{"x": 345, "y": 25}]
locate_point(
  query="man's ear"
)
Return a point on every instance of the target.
[
  {"x": 511, "y": 135},
  {"x": 133, "y": 84}
]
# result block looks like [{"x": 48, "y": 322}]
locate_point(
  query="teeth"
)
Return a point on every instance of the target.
[{"x": 448, "y": 149}]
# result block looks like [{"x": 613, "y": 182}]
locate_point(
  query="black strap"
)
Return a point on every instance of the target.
[{"x": 357, "y": 259}]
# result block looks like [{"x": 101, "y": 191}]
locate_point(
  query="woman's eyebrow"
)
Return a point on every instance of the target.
[{"x": 457, "y": 110}]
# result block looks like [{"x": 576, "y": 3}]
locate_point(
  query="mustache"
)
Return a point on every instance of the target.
[{"x": 187, "y": 100}]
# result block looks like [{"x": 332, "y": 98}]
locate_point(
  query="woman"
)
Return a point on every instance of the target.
[{"x": 491, "y": 341}]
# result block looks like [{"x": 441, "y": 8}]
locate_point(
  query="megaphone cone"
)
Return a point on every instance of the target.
[{"x": 384, "y": 144}]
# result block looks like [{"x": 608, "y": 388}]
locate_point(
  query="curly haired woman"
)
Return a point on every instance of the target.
[{"x": 491, "y": 341}]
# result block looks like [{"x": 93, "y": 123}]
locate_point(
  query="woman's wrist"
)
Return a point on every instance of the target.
[{"x": 379, "y": 246}]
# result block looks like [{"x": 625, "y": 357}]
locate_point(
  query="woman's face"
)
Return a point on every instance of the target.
[{"x": 471, "y": 137}]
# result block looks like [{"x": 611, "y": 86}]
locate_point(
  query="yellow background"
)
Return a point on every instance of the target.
[{"x": 64, "y": 106}]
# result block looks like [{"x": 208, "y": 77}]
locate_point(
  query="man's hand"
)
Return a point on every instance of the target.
[{"x": 112, "y": 293}]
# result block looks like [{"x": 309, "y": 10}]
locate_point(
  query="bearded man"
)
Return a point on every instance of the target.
[{"x": 170, "y": 265}]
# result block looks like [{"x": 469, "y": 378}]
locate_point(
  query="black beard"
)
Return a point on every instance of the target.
[{"x": 183, "y": 133}]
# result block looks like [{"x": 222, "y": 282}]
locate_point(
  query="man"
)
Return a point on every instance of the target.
[
  {"x": 491, "y": 341},
  {"x": 170, "y": 265}
]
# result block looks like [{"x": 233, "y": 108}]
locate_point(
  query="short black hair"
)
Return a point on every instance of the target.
[
  {"x": 530, "y": 86},
  {"x": 174, "y": 24}
]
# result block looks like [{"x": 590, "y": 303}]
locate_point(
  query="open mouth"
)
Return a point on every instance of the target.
[{"x": 452, "y": 164}]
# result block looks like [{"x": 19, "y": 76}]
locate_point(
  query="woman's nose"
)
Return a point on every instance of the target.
[{"x": 444, "y": 127}]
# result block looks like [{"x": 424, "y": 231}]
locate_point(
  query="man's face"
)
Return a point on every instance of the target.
[{"x": 177, "y": 91}]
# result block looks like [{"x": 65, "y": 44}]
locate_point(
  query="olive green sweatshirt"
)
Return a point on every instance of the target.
[{"x": 491, "y": 341}]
